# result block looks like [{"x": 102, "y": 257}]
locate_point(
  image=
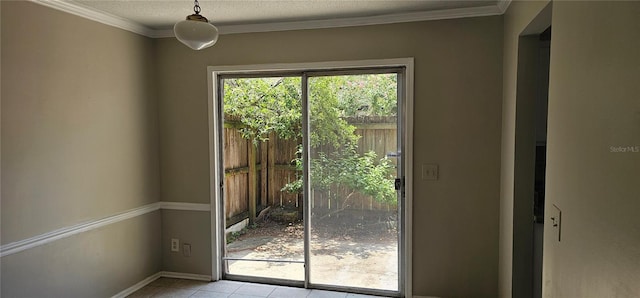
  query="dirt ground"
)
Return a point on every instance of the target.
[{"x": 354, "y": 249}]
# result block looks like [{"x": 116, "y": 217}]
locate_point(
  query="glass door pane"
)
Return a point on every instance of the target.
[
  {"x": 354, "y": 210},
  {"x": 264, "y": 231}
]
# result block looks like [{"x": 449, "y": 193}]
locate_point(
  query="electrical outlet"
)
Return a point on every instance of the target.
[
  {"x": 186, "y": 250},
  {"x": 175, "y": 244}
]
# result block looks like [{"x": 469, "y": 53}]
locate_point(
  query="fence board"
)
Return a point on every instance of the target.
[{"x": 273, "y": 168}]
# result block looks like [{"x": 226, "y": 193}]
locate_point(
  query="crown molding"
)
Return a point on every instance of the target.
[
  {"x": 365, "y": 21},
  {"x": 503, "y": 5},
  {"x": 97, "y": 16},
  {"x": 357, "y": 21},
  {"x": 169, "y": 33},
  {"x": 111, "y": 20}
]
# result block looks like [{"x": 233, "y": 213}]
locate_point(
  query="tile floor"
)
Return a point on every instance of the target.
[{"x": 180, "y": 288}]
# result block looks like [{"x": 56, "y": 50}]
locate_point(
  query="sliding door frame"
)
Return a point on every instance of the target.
[{"x": 405, "y": 102}]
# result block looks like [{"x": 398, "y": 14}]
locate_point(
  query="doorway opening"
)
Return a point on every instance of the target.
[
  {"x": 309, "y": 176},
  {"x": 541, "y": 112},
  {"x": 530, "y": 156}
]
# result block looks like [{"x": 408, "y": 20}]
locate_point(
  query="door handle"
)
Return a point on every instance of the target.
[{"x": 398, "y": 183}]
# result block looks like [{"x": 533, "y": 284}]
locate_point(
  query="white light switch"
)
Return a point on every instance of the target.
[
  {"x": 186, "y": 250},
  {"x": 429, "y": 171}
]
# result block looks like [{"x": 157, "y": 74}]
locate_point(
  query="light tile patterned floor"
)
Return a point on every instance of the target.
[{"x": 182, "y": 288}]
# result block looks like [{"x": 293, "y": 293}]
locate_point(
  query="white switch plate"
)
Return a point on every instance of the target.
[
  {"x": 429, "y": 171},
  {"x": 556, "y": 221},
  {"x": 186, "y": 250},
  {"x": 175, "y": 244}
]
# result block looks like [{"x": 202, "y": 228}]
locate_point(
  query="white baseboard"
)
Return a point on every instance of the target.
[
  {"x": 185, "y": 275},
  {"x": 132, "y": 289}
]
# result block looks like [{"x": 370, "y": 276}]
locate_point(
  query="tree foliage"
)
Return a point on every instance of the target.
[
  {"x": 359, "y": 173},
  {"x": 365, "y": 174},
  {"x": 327, "y": 125},
  {"x": 367, "y": 95},
  {"x": 266, "y": 105}
]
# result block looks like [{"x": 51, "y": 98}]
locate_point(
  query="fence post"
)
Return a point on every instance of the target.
[
  {"x": 253, "y": 185},
  {"x": 271, "y": 171},
  {"x": 264, "y": 184}
]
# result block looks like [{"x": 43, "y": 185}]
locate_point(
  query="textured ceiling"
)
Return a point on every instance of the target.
[{"x": 160, "y": 14}]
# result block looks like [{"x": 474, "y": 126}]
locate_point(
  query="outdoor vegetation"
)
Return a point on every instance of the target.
[
  {"x": 353, "y": 224},
  {"x": 273, "y": 105}
]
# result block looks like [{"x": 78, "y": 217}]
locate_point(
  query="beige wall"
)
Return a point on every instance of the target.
[
  {"x": 79, "y": 143},
  {"x": 193, "y": 227},
  {"x": 80, "y": 136},
  {"x": 458, "y": 73},
  {"x": 594, "y": 104},
  {"x": 97, "y": 263}
]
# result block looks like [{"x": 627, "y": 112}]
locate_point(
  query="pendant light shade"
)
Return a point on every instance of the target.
[{"x": 196, "y": 32}]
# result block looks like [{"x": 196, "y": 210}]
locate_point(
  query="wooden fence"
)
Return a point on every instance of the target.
[
  {"x": 377, "y": 134},
  {"x": 245, "y": 193}
]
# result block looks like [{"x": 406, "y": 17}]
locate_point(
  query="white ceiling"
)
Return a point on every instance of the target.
[{"x": 156, "y": 17}]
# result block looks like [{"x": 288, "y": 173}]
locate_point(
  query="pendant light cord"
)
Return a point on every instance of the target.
[{"x": 196, "y": 7}]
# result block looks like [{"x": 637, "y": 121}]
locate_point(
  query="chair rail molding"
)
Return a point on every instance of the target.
[{"x": 42, "y": 239}]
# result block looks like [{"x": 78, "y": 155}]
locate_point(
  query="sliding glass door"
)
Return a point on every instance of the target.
[
  {"x": 352, "y": 164},
  {"x": 261, "y": 136},
  {"x": 312, "y": 178}
]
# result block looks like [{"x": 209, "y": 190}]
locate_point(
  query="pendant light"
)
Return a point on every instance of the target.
[{"x": 196, "y": 32}]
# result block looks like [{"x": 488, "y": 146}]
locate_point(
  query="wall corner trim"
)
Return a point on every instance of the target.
[
  {"x": 503, "y": 5},
  {"x": 42, "y": 239}
]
